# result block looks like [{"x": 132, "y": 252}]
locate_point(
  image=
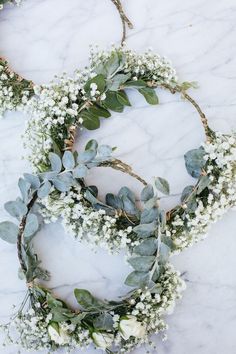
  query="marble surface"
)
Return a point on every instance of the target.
[{"x": 42, "y": 38}]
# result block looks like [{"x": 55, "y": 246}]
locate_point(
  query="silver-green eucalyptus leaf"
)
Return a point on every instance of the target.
[
  {"x": 33, "y": 180},
  {"x": 137, "y": 279},
  {"x": 147, "y": 247},
  {"x": 80, "y": 171},
  {"x": 44, "y": 190},
  {"x": 24, "y": 187},
  {"x": 55, "y": 161},
  {"x": 145, "y": 230},
  {"x": 16, "y": 208},
  {"x": 147, "y": 193},
  {"x": 162, "y": 185},
  {"x": 31, "y": 226},
  {"x": 142, "y": 263},
  {"x": 68, "y": 160},
  {"x": 9, "y": 231}
]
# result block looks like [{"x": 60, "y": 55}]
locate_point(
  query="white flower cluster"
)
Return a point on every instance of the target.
[
  {"x": 220, "y": 156},
  {"x": 14, "y": 2},
  {"x": 148, "y": 309},
  {"x": 84, "y": 223},
  {"x": 58, "y": 104},
  {"x": 151, "y": 65},
  {"x": 11, "y": 95}
]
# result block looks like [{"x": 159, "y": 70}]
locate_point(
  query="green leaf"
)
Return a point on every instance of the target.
[
  {"x": 150, "y": 95},
  {"x": 147, "y": 248},
  {"x": 147, "y": 193},
  {"x": 91, "y": 145},
  {"x": 33, "y": 180},
  {"x": 105, "y": 150},
  {"x": 8, "y": 231},
  {"x": 104, "y": 322},
  {"x": 31, "y": 226},
  {"x": 148, "y": 215},
  {"x": 137, "y": 279},
  {"x": 87, "y": 301},
  {"x": 24, "y": 187},
  {"x": 135, "y": 84},
  {"x": 162, "y": 185},
  {"x": 111, "y": 102},
  {"x": 110, "y": 67},
  {"x": 114, "y": 201},
  {"x": 63, "y": 182},
  {"x": 16, "y": 208},
  {"x": 145, "y": 230},
  {"x": 55, "y": 162},
  {"x": 86, "y": 156},
  {"x": 142, "y": 263},
  {"x": 164, "y": 252},
  {"x": 99, "y": 80},
  {"x": 90, "y": 120},
  {"x": 151, "y": 203},
  {"x": 123, "y": 98},
  {"x": 100, "y": 111},
  {"x": 117, "y": 80},
  {"x": 126, "y": 192},
  {"x": 203, "y": 183},
  {"x": 80, "y": 171},
  {"x": 194, "y": 162},
  {"x": 186, "y": 193},
  {"x": 44, "y": 190},
  {"x": 68, "y": 160}
]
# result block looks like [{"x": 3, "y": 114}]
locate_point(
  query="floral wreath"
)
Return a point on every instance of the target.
[{"x": 58, "y": 188}]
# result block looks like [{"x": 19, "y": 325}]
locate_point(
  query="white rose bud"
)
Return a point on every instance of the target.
[
  {"x": 102, "y": 340},
  {"x": 57, "y": 334},
  {"x": 130, "y": 327}
]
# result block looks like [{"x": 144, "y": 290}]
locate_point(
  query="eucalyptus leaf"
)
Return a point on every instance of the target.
[
  {"x": 147, "y": 193},
  {"x": 63, "y": 182},
  {"x": 17, "y": 208},
  {"x": 147, "y": 247},
  {"x": 31, "y": 226},
  {"x": 135, "y": 84},
  {"x": 104, "y": 322},
  {"x": 68, "y": 160},
  {"x": 126, "y": 192},
  {"x": 86, "y": 156},
  {"x": 186, "y": 193},
  {"x": 111, "y": 102},
  {"x": 203, "y": 183},
  {"x": 8, "y": 231},
  {"x": 150, "y": 95},
  {"x": 99, "y": 80},
  {"x": 90, "y": 120},
  {"x": 142, "y": 263},
  {"x": 33, "y": 180},
  {"x": 91, "y": 145},
  {"x": 87, "y": 301},
  {"x": 117, "y": 80},
  {"x": 114, "y": 201},
  {"x": 162, "y": 185},
  {"x": 164, "y": 252},
  {"x": 145, "y": 230},
  {"x": 149, "y": 215},
  {"x": 24, "y": 187},
  {"x": 100, "y": 111},
  {"x": 194, "y": 162},
  {"x": 80, "y": 171},
  {"x": 44, "y": 190},
  {"x": 105, "y": 150},
  {"x": 55, "y": 162},
  {"x": 123, "y": 98},
  {"x": 137, "y": 279}
]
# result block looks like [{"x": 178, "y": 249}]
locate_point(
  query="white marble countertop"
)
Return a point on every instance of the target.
[{"x": 42, "y": 38}]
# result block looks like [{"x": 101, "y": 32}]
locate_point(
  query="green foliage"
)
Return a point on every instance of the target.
[
  {"x": 194, "y": 162},
  {"x": 162, "y": 185},
  {"x": 8, "y": 231},
  {"x": 150, "y": 95}
]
